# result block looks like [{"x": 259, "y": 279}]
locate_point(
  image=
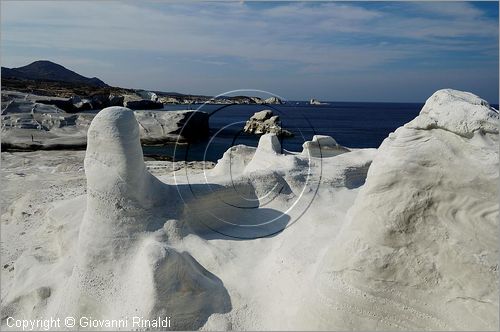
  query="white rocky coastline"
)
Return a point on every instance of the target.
[
  {"x": 28, "y": 124},
  {"x": 400, "y": 237}
]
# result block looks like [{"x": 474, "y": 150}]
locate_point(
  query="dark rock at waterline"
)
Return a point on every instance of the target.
[
  {"x": 194, "y": 126},
  {"x": 80, "y": 104},
  {"x": 96, "y": 102},
  {"x": 63, "y": 104},
  {"x": 100, "y": 101},
  {"x": 143, "y": 104},
  {"x": 115, "y": 100},
  {"x": 175, "y": 126}
]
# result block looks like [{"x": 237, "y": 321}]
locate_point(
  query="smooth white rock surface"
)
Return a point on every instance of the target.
[{"x": 419, "y": 247}]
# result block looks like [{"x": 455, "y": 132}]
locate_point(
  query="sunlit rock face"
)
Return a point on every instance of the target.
[
  {"x": 124, "y": 267},
  {"x": 322, "y": 146},
  {"x": 118, "y": 184},
  {"x": 419, "y": 247}
]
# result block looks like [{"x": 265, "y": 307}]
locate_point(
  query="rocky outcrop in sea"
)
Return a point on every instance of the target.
[{"x": 265, "y": 122}]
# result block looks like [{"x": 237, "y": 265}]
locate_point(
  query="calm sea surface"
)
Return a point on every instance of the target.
[{"x": 355, "y": 125}]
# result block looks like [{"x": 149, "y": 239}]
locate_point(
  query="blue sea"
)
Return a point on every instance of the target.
[{"x": 351, "y": 124}]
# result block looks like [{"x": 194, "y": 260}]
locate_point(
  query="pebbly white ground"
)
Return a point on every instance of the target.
[{"x": 401, "y": 237}]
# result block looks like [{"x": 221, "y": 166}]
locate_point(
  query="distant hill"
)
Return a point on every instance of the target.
[{"x": 44, "y": 70}]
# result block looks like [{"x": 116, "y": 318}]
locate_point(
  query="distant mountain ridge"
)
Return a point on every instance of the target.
[
  {"x": 44, "y": 70},
  {"x": 47, "y": 78}
]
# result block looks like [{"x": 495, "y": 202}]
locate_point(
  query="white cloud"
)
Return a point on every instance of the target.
[
  {"x": 311, "y": 39},
  {"x": 459, "y": 9},
  {"x": 289, "y": 32}
]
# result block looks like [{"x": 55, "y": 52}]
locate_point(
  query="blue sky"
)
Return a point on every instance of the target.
[{"x": 345, "y": 51}]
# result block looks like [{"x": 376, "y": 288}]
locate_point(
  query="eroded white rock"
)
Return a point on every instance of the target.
[
  {"x": 268, "y": 149},
  {"x": 462, "y": 113},
  {"x": 118, "y": 183},
  {"x": 322, "y": 146},
  {"x": 419, "y": 247},
  {"x": 123, "y": 267}
]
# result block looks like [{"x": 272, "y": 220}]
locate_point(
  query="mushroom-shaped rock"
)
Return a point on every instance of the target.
[{"x": 322, "y": 146}]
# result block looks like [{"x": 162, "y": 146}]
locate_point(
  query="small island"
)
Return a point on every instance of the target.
[{"x": 316, "y": 102}]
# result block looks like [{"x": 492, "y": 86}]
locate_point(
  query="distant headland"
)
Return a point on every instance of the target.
[{"x": 47, "y": 78}]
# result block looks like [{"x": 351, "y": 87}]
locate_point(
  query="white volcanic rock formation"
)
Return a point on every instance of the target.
[
  {"x": 273, "y": 100},
  {"x": 298, "y": 242},
  {"x": 118, "y": 183},
  {"x": 462, "y": 113},
  {"x": 29, "y": 124},
  {"x": 122, "y": 264},
  {"x": 268, "y": 150},
  {"x": 121, "y": 270},
  {"x": 419, "y": 248},
  {"x": 322, "y": 146}
]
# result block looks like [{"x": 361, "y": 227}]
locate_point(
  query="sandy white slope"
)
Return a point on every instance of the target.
[{"x": 271, "y": 240}]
